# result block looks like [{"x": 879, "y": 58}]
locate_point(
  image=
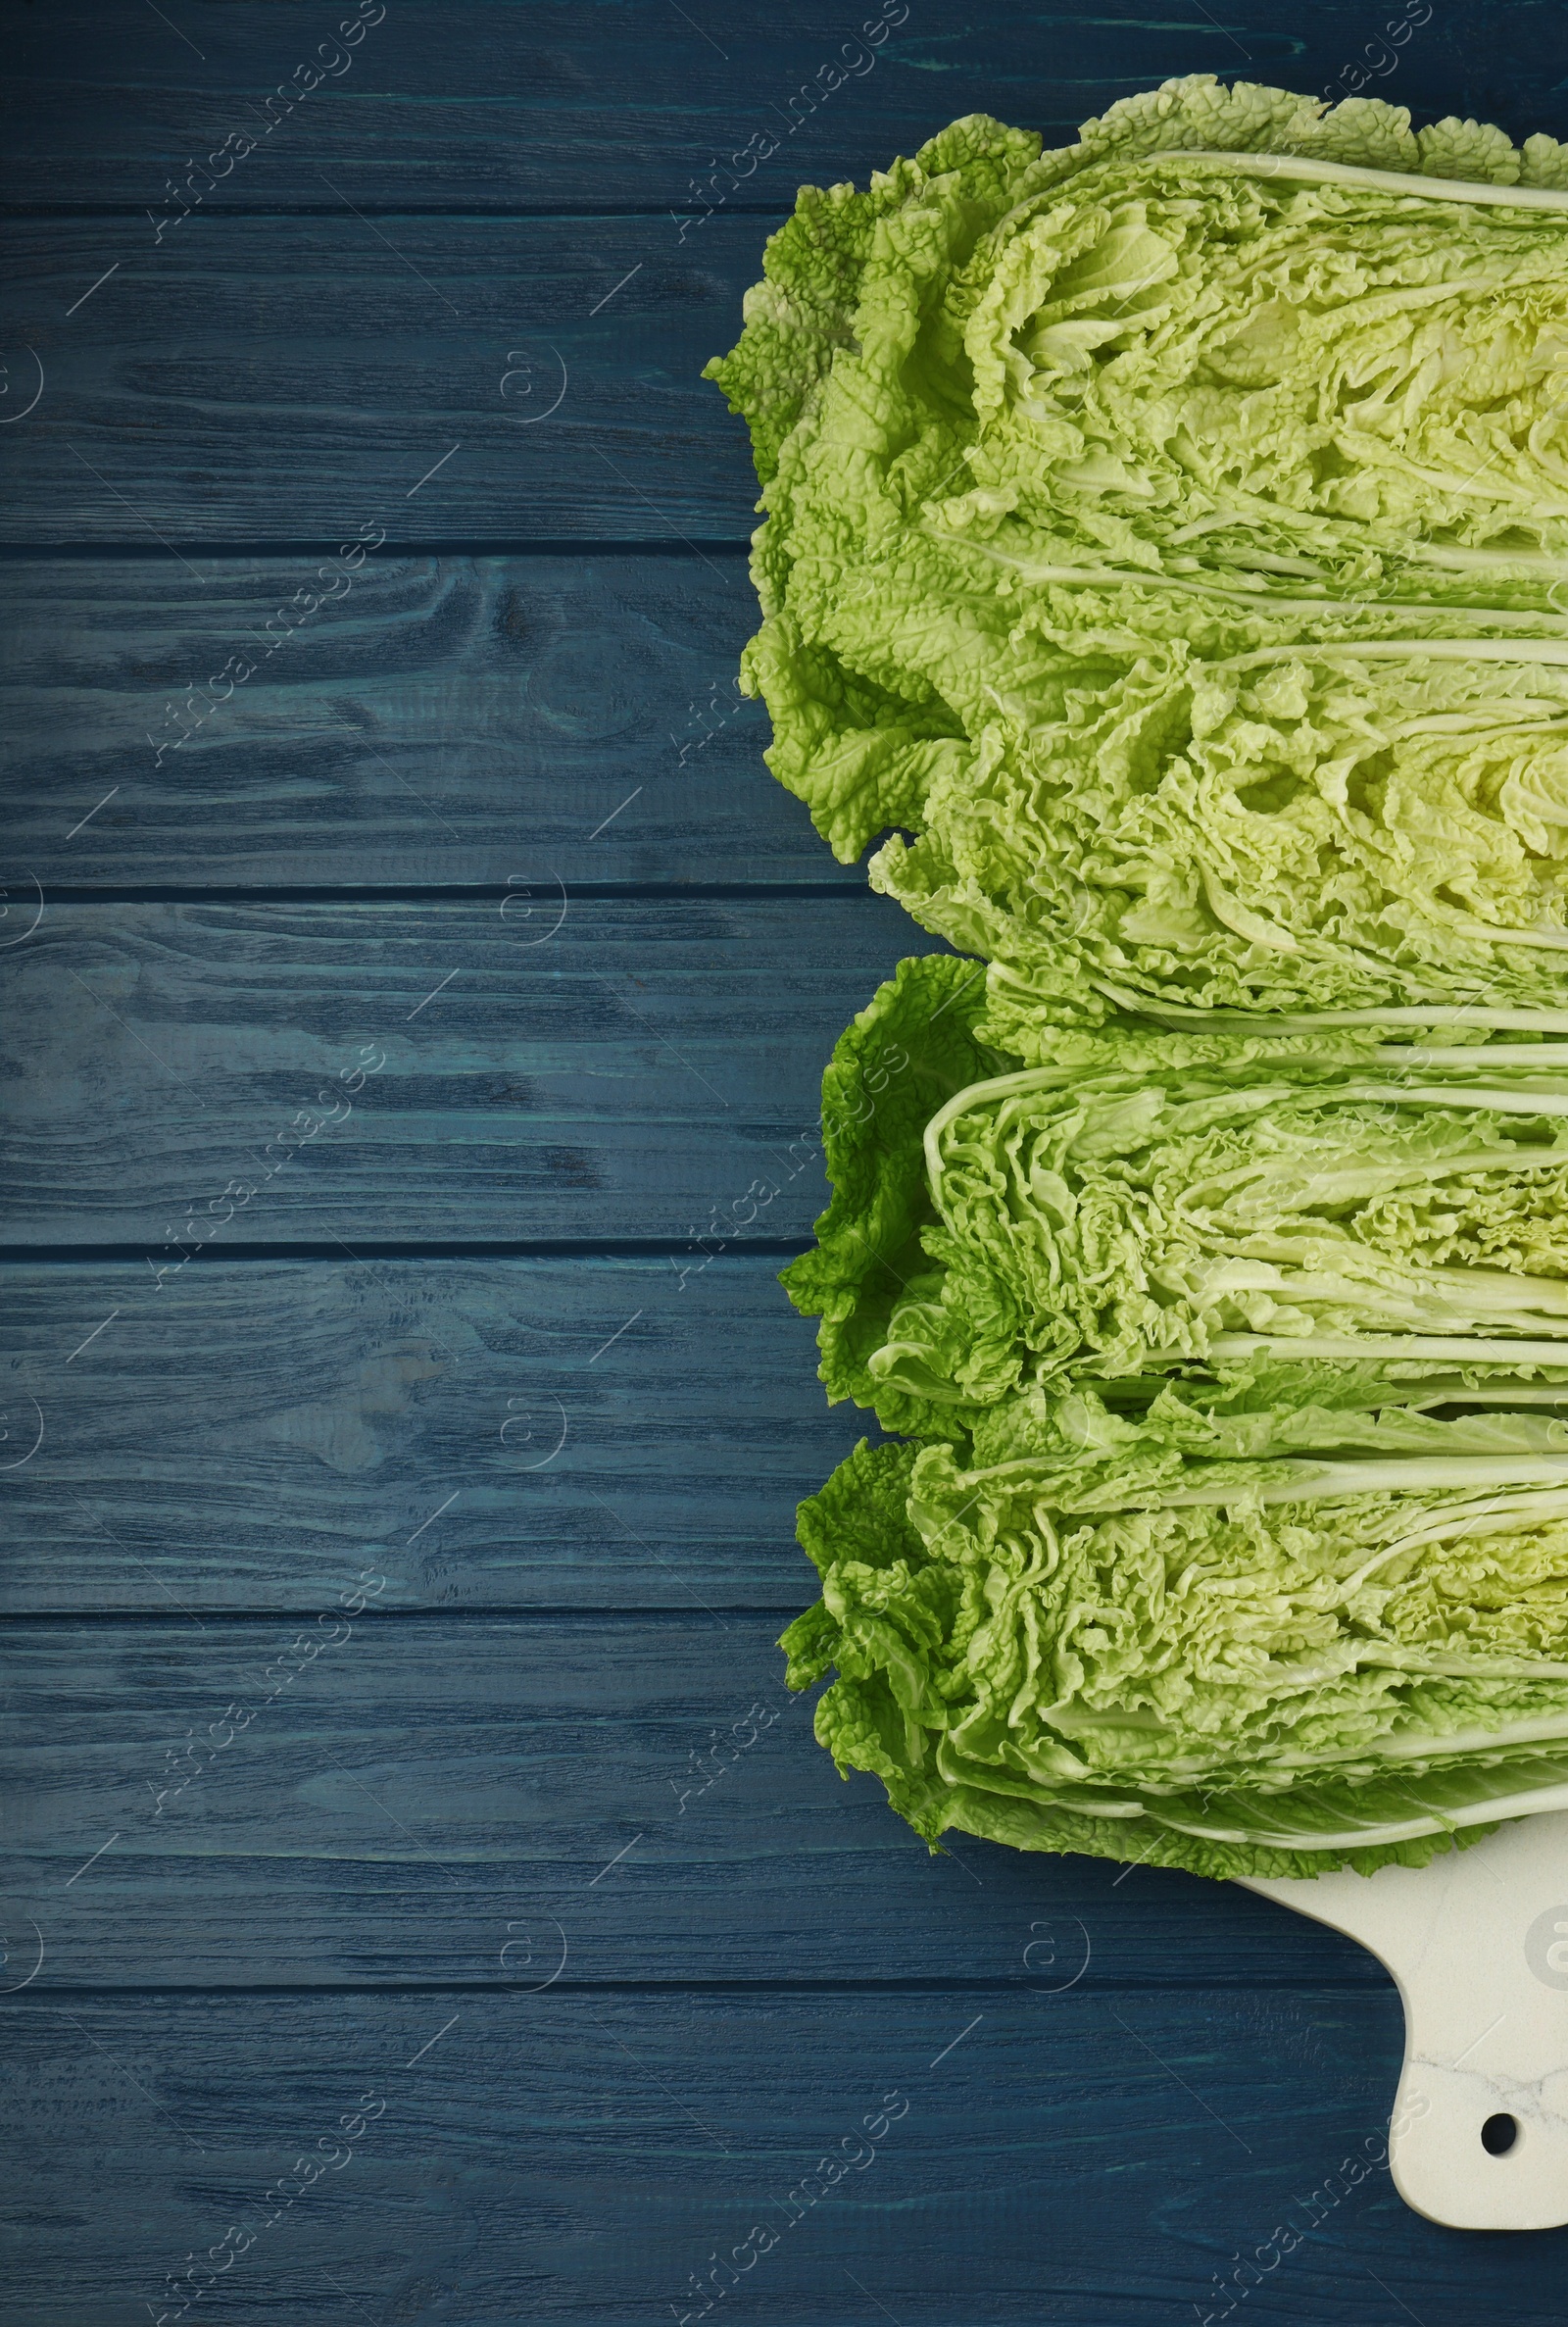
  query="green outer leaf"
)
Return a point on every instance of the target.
[
  {"x": 901, "y": 1058},
  {"x": 803, "y": 310}
]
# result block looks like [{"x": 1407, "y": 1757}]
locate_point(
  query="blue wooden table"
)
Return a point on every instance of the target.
[{"x": 423, "y": 1902}]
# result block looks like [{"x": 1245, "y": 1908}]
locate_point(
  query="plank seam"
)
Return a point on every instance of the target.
[
  {"x": 1330, "y": 1983},
  {"x": 656, "y": 545},
  {"x": 852, "y": 884},
  {"x": 109, "y": 1619},
  {"x": 47, "y": 211},
  {"x": 607, "y": 1248}
]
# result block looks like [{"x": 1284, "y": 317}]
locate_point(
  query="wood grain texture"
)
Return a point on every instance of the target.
[
  {"x": 253, "y": 1434},
  {"x": 1124, "y": 2086},
  {"x": 442, "y": 720},
  {"x": 554, "y": 1067},
  {"x": 295, "y": 379},
  {"x": 628, "y": 102},
  {"x": 561, "y": 2156},
  {"x": 639, "y": 1798}
]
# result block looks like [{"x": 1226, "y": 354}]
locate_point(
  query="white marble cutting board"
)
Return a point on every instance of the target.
[{"x": 1478, "y": 1943}]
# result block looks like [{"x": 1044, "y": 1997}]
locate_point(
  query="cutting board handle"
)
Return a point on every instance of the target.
[{"x": 1478, "y": 1943}]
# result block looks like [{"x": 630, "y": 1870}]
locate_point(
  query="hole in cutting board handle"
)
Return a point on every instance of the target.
[{"x": 1498, "y": 2135}]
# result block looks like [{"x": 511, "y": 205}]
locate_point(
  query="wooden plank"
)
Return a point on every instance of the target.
[
  {"x": 543, "y": 1067},
  {"x": 1087, "y": 2159},
  {"x": 659, "y": 1472},
  {"x": 642, "y": 1787},
  {"x": 430, "y": 379},
  {"x": 601, "y": 103},
  {"x": 443, "y": 717}
]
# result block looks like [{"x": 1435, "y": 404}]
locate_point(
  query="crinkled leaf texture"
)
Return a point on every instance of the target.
[
  {"x": 1168, "y": 533},
  {"x": 1120, "y": 1204},
  {"x": 1238, "y": 1535},
  {"x": 1266, "y": 1667}
]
